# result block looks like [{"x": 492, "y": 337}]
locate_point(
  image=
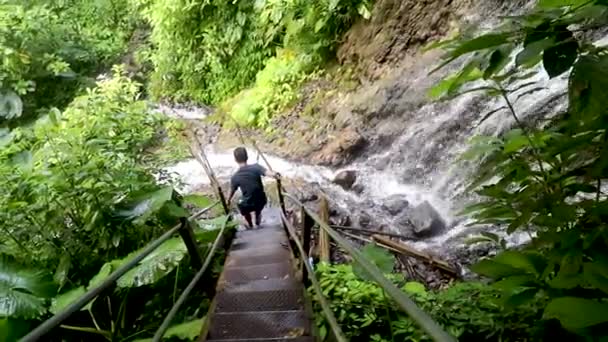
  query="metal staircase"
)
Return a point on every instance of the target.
[{"x": 259, "y": 297}]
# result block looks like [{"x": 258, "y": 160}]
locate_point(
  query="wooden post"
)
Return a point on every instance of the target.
[
  {"x": 187, "y": 234},
  {"x": 220, "y": 193},
  {"x": 281, "y": 199},
  {"x": 307, "y": 224},
  {"x": 324, "y": 248}
]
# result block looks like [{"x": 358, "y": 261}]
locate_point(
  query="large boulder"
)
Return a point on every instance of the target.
[
  {"x": 346, "y": 179},
  {"x": 340, "y": 149},
  {"x": 395, "y": 204},
  {"x": 426, "y": 221}
]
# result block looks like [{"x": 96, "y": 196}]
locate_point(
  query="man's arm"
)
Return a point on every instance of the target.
[
  {"x": 233, "y": 187},
  {"x": 268, "y": 173}
]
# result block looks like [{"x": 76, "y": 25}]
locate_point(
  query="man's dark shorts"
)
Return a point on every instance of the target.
[{"x": 252, "y": 204}]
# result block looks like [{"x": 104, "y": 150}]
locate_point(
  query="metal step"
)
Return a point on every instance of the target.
[
  {"x": 261, "y": 295},
  {"x": 251, "y": 244},
  {"x": 256, "y": 232},
  {"x": 262, "y": 250},
  {"x": 259, "y": 324},
  {"x": 244, "y": 274},
  {"x": 263, "y": 258}
]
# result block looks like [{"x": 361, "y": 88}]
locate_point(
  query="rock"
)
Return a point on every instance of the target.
[
  {"x": 364, "y": 220},
  {"x": 340, "y": 149},
  {"x": 358, "y": 188},
  {"x": 395, "y": 204},
  {"x": 426, "y": 221},
  {"x": 346, "y": 179}
]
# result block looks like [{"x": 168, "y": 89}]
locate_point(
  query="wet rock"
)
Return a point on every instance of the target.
[
  {"x": 395, "y": 204},
  {"x": 346, "y": 179},
  {"x": 358, "y": 188},
  {"x": 364, "y": 220},
  {"x": 426, "y": 221},
  {"x": 343, "y": 148}
]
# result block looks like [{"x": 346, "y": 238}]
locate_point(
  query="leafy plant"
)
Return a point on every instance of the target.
[
  {"x": 188, "y": 331},
  {"x": 24, "y": 292},
  {"x": 49, "y": 50},
  {"x": 209, "y": 51},
  {"x": 65, "y": 177},
  {"x": 467, "y": 310},
  {"x": 544, "y": 180}
]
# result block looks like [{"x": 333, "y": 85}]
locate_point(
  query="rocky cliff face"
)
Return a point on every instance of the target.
[{"x": 381, "y": 78}]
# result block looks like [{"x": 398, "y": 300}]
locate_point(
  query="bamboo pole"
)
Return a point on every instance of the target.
[
  {"x": 324, "y": 248},
  {"x": 372, "y": 232}
]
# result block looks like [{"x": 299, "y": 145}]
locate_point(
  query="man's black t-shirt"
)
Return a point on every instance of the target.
[{"x": 249, "y": 179}]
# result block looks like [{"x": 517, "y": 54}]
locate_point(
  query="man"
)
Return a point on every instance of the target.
[{"x": 249, "y": 179}]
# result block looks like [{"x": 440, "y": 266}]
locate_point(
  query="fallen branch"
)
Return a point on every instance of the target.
[
  {"x": 401, "y": 248},
  {"x": 373, "y": 232}
]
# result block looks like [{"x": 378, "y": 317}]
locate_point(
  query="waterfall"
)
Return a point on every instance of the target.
[{"x": 422, "y": 162}]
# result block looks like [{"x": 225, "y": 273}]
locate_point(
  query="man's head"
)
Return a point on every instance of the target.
[{"x": 240, "y": 155}]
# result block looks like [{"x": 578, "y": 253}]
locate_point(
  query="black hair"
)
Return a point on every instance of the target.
[{"x": 240, "y": 155}]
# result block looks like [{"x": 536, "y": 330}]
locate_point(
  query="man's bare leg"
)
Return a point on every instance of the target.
[
  {"x": 258, "y": 218},
  {"x": 247, "y": 217}
]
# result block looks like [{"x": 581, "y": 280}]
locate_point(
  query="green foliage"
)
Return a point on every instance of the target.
[
  {"x": 466, "y": 310},
  {"x": 65, "y": 299},
  {"x": 64, "y": 178},
  {"x": 274, "y": 89},
  {"x": 24, "y": 291},
  {"x": 546, "y": 181},
  {"x": 377, "y": 256},
  {"x": 156, "y": 265},
  {"x": 187, "y": 331},
  {"x": 48, "y": 50},
  {"x": 209, "y": 51}
]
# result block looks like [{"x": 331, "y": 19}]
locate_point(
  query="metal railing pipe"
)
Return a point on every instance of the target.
[
  {"x": 329, "y": 315},
  {"x": 182, "y": 298},
  {"x": 56, "y": 320},
  {"x": 405, "y": 303}
]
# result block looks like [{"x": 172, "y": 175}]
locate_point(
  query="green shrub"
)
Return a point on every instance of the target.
[
  {"x": 467, "y": 310},
  {"x": 548, "y": 181},
  {"x": 275, "y": 87},
  {"x": 208, "y": 51},
  {"x": 49, "y": 49},
  {"x": 63, "y": 177}
]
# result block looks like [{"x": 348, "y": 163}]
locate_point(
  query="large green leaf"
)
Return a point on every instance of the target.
[
  {"x": 530, "y": 262},
  {"x": 560, "y": 3},
  {"x": 559, "y": 58},
  {"x": 216, "y": 223},
  {"x": 199, "y": 201},
  {"x": 188, "y": 331},
  {"x": 63, "y": 300},
  {"x": 482, "y": 42},
  {"x": 415, "y": 288},
  {"x": 61, "y": 273},
  {"x": 493, "y": 269},
  {"x": 532, "y": 53},
  {"x": 377, "y": 256},
  {"x": 23, "y": 291},
  {"x": 156, "y": 265},
  {"x": 577, "y": 313},
  {"x": 11, "y": 105},
  {"x": 5, "y": 136},
  {"x": 143, "y": 206},
  {"x": 588, "y": 90},
  {"x": 12, "y": 329}
]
